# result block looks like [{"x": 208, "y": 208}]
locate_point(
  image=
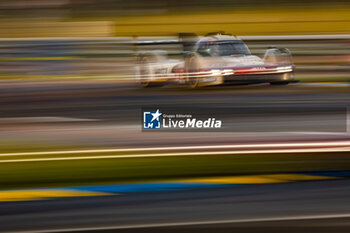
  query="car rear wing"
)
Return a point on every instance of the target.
[{"x": 187, "y": 40}]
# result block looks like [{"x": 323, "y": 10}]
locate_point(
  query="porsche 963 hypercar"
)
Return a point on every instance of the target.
[{"x": 213, "y": 59}]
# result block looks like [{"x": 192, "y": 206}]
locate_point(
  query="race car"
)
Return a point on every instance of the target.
[{"x": 213, "y": 59}]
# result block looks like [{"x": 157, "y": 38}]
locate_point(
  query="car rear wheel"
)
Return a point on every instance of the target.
[
  {"x": 145, "y": 73},
  {"x": 191, "y": 70}
]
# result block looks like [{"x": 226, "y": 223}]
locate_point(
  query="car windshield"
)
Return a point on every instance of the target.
[{"x": 223, "y": 48}]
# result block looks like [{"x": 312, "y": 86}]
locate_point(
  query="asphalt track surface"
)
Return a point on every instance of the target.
[
  {"x": 107, "y": 113},
  {"x": 322, "y": 206}
]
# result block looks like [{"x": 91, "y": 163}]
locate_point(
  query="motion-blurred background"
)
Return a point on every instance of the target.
[{"x": 86, "y": 38}]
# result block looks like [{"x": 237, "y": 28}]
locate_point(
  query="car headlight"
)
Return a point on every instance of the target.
[
  {"x": 216, "y": 72},
  {"x": 285, "y": 68},
  {"x": 222, "y": 72},
  {"x": 228, "y": 72}
]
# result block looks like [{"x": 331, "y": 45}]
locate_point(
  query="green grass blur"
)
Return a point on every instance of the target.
[{"x": 134, "y": 170}]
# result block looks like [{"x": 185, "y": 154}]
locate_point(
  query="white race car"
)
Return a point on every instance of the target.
[{"x": 214, "y": 59}]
